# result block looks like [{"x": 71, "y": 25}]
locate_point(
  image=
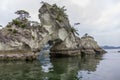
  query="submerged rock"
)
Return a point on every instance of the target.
[{"x": 54, "y": 29}]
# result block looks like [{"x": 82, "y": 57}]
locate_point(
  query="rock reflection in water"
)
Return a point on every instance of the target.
[
  {"x": 68, "y": 68},
  {"x": 50, "y": 69},
  {"x": 20, "y": 71}
]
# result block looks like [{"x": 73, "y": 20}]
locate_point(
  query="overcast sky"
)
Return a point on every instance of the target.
[{"x": 99, "y": 18}]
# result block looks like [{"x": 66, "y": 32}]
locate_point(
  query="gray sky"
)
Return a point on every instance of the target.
[{"x": 99, "y": 18}]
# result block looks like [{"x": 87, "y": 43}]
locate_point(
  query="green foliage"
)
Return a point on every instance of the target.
[
  {"x": 58, "y": 18},
  {"x": 73, "y": 30},
  {"x": 23, "y": 15},
  {"x": 23, "y": 26},
  {"x": 21, "y": 12},
  {"x": 15, "y": 31},
  {"x": 12, "y": 30},
  {"x": 8, "y": 26},
  {"x": 16, "y": 22},
  {"x": 60, "y": 10},
  {"x": 19, "y": 23},
  {"x": 9, "y": 29}
]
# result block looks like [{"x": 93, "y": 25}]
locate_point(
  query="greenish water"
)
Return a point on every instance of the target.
[{"x": 101, "y": 67}]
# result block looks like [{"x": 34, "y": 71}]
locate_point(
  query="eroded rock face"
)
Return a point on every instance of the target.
[
  {"x": 89, "y": 46},
  {"x": 54, "y": 29},
  {"x": 17, "y": 38},
  {"x": 55, "y": 21}
]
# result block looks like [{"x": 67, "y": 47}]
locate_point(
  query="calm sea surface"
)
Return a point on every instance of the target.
[{"x": 101, "y": 67}]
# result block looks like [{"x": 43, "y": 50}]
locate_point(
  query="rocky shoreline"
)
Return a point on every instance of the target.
[{"x": 17, "y": 55}]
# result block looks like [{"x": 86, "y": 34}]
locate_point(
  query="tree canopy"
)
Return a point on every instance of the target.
[
  {"x": 22, "y": 14},
  {"x": 74, "y": 31},
  {"x": 77, "y": 23}
]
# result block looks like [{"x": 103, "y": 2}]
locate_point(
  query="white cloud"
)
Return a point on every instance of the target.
[
  {"x": 108, "y": 15},
  {"x": 3, "y": 5},
  {"x": 81, "y": 3}
]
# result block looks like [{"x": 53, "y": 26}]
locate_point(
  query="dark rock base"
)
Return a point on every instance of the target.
[
  {"x": 18, "y": 55},
  {"x": 75, "y": 52}
]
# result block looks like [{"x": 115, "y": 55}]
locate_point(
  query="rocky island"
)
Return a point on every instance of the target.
[{"x": 22, "y": 39}]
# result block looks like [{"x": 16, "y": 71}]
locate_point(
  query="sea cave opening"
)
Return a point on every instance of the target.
[{"x": 51, "y": 44}]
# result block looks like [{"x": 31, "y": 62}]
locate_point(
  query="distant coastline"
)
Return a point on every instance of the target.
[{"x": 110, "y": 47}]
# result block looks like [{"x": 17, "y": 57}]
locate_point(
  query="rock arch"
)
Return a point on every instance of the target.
[{"x": 55, "y": 29}]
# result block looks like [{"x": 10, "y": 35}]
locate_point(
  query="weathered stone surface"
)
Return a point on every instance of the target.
[
  {"x": 12, "y": 55},
  {"x": 55, "y": 30},
  {"x": 89, "y": 46},
  {"x": 57, "y": 24}
]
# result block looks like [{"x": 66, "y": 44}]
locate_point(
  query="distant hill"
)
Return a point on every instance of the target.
[{"x": 110, "y": 47}]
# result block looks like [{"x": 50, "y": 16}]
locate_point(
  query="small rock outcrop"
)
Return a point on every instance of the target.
[
  {"x": 89, "y": 46},
  {"x": 55, "y": 30}
]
